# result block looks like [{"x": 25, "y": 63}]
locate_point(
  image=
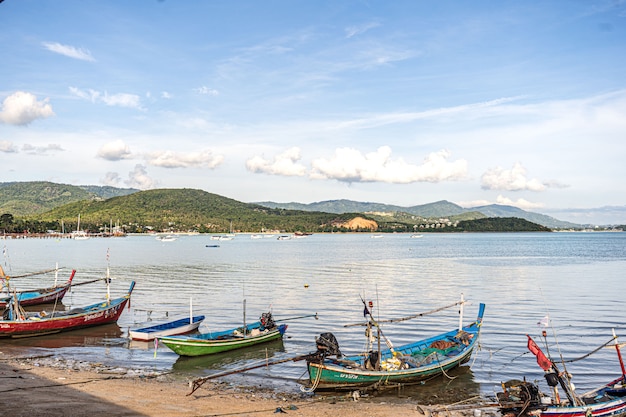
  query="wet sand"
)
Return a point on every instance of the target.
[{"x": 35, "y": 387}]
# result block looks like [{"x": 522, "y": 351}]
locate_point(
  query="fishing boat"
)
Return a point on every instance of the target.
[
  {"x": 18, "y": 323},
  {"x": 417, "y": 361},
  {"x": 261, "y": 331},
  {"x": 170, "y": 328},
  {"x": 522, "y": 398},
  {"x": 25, "y": 298}
]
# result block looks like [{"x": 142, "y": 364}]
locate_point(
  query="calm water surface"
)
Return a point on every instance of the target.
[{"x": 575, "y": 278}]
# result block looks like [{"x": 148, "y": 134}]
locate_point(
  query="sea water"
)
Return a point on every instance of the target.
[{"x": 576, "y": 280}]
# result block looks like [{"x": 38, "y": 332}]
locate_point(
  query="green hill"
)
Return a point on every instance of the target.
[
  {"x": 23, "y": 199},
  {"x": 187, "y": 210}
]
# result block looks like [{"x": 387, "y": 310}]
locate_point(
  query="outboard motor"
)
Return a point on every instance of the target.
[
  {"x": 267, "y": 321},
  {"x": 327, "y": 345}
]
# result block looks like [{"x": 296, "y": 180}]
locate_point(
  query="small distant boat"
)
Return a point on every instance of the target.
[
  {"x": 79, "y": 234},
  {"x": 376, "y": 236},
  {"x": 302, "y": 234},
  {"x": 167, "y": 238},
  {"x": 212, "y": 246},
  {"x": 283, "y": 237},
  {"x": 38, "y": 296},
  {"x": 417, "y": 236},
  {"x": 252, "y": 334},
  {"x": 18, "y": 323},
  {"x": 255, "y": 236},
  {"x": 170, "y": 328}
]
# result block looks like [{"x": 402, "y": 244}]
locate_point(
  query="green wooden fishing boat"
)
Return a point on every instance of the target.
[
  {"x": 417, "y": 361},
  {"x": 262, "y": 331}
]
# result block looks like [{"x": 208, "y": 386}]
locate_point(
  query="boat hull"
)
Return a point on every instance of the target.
[
  {"x": 615, "y": 408},
  {"x": 171, "y": 328},
  {"x": 203, "y": 345},
  {"x": 41, "y": 296},
  {"x": 89, "y": 316},
  {"x": 342, "y": 377},
  {"x": 349, "y": 372}
]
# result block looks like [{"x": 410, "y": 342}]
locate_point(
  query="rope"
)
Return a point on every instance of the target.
[{"x": 314, "y": 385}]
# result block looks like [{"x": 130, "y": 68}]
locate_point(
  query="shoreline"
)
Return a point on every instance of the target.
[{"x": 42, "y": 386}]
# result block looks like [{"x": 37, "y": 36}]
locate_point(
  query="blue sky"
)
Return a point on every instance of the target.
[{"x": 403, "y": 102}]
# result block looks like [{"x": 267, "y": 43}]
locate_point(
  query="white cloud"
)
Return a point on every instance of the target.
[
  {"x": 166, "y": 95},
  {"x": 138, "y": 178},
  {"x": 111, "y": 178},
  {"x": 285, "y": 163},
  {"x": 22, "y": 108},
  {"x": 519, "y": 203},
  {"x": 69, "y": 51},
  {"x": 170, "y": 159},
  {"x": 132, "y": 101},
  {"x": 41, "y": 150},
  {"x": 510, "y": 180},
  {"x": 207, "y": 91},
  {"x": 115, "y": 151},
  {"x": 7, "y": 147},
  {"x": 352, "y": 166},
  {"x": 357, "y": 30}
]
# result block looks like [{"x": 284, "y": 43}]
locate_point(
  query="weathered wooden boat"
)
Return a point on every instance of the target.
[
  {"x": 38, "y": 296},
  {"x": 18, "y": 323},
  {"x": 521, "y": 398},
  {"x": 417, "y": 361},
  {"x": 170, "y": 328},
  {"x": 252, "y": 334}
]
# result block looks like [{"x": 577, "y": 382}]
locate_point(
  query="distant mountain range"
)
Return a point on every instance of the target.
[
  {"x": 36, "y": 197},
  {"x": 439, "y": 209}
]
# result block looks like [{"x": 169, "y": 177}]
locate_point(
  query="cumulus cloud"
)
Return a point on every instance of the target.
[
  {"x": 69, "y": 51},
  {"x": 114, "y": 151},
  {"x": 285, "y": 163},
  {"x": 351, "y": 165},
  {"x": 7, "y": 147},
  {"x": 138, "y": 178},
  {"x": 21, "y": 108},
  {"x": 170, "y": 159},
  {"x": 519, "y": 203},
  {"x": 111, "y": 178},
  {"x": 132, "y": 101},
  {"x": 41, "y": 150},
  {"x": 514, "y": 179}
]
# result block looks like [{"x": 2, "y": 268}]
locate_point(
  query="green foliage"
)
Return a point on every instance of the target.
[
  {"x": 23, "y": 199},
  {"x": 188, "y": 210},
  {"x": 500, "y": 224}
]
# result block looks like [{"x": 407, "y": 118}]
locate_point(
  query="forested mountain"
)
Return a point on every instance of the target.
[
  {"x": 188, "y": 210},
  {"x": 27, "y": 198},
  {"x": 183, "y": 208},
  {"x": 436, "y": 210}
]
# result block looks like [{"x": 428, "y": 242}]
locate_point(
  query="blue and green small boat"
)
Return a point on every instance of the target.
[{"x": 417, "y": 361}]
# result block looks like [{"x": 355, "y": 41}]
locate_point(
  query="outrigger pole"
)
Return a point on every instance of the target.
[{"x": 197, "y": 383}]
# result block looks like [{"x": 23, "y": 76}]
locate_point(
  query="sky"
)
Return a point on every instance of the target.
[{"x": 404, "y": 102}]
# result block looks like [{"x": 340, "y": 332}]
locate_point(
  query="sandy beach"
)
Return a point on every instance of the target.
[{"x": 36, "y": 387}]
